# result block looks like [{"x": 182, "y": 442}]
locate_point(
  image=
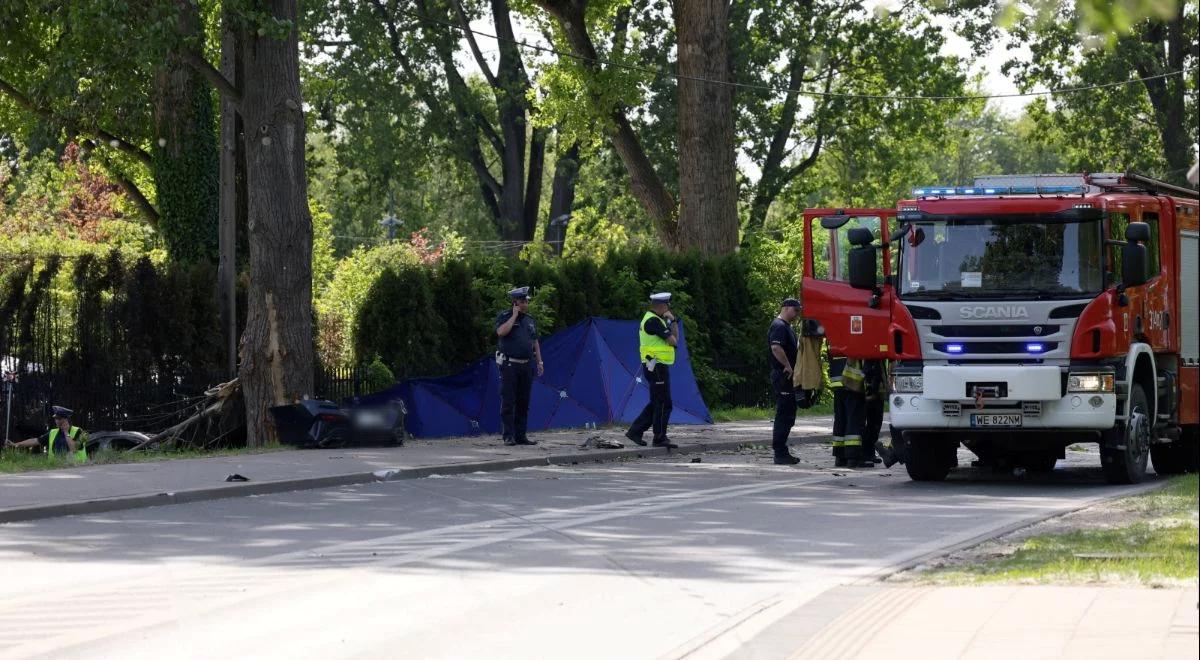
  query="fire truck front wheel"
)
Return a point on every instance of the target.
[
  {"x": 931, "y": 456},
  {"x": 1125, "y": 448}
]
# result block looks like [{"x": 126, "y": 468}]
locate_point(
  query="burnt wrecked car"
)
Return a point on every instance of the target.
[{"x": 321, "y": 424}]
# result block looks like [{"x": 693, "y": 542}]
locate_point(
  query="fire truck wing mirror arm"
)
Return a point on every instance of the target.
[{"x": 900, "y": 233}]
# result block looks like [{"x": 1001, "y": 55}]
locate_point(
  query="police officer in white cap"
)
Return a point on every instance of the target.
[
  {"x": 657, "y": 337},
  {"x": 518, "y": 356}
]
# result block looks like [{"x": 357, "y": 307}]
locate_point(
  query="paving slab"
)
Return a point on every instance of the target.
[
  {"x": 985, "y": 623},
  {"x": 116, "y": 486}
]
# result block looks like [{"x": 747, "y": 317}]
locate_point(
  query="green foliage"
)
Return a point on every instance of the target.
[
  {"x": 1148, "y": 126},
  {"x": 399, "y": 322},
  {"x": 378, "y": 376},
  {"x": 64, "y": 205},
  {"x": 431, "y": 320},
  {"x": 187, "y": 175}
]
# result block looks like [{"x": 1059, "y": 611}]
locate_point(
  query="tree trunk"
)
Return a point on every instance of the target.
[
  {"x": 533, "y": 187},
  {"x": 708, "y": 219},
  {"x": 562, "y": 196},
  {"x": 566, "y": 173},
  {"x": 186, "y": 162},
  {"x": 277, "y": 345}
]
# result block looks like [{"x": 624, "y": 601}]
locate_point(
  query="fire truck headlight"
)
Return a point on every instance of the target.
[
  {"x": 1090, "y": 383},
  {"x": 908, "y": 384}
]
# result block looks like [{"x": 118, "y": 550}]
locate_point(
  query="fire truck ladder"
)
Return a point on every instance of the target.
[{"x": 1132, "y": 182}]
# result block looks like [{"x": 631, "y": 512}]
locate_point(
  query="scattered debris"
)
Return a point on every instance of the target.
[{"x": 236, "y": 477}]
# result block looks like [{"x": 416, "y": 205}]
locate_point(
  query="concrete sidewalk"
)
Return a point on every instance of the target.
[
  {"x": 875, "y": 622},
  {"x": 111, "y": 487}
]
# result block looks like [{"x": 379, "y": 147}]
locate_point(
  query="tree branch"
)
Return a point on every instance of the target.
[
  {"x": 131, "y": 189},
  {"x": 109, "y": 139},
  {"x": 466, "y": 26},
  {"x": 214, "y": 77}
]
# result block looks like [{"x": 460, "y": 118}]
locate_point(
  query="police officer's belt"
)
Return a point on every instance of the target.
[{"x": 513, "y": 360}]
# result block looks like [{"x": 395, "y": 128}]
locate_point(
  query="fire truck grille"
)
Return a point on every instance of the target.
[{"x": 1022, "y": 331}]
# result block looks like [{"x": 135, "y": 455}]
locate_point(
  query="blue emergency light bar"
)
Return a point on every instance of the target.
[{"x": 991, "y": 191}]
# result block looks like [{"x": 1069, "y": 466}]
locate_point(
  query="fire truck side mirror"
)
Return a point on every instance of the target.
[
  {"x": 861, "y": 259},
  {"x": 1133, "y": 255},
  {"x": 862, "y": 268},
  {"x": 1133, "y": 264}
]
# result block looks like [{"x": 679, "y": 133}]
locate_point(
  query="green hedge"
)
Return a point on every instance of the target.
[{"x": 431, "y": 320}]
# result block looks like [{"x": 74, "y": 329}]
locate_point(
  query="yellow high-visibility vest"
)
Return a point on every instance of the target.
[
  {"x": 655, "y": 347},
  {"x": 76, "y": 434}
]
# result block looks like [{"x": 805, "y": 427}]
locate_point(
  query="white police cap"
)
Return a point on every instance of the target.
[
  {"x": 519, "y": 293},
  {"x": 663, "y": 297}
]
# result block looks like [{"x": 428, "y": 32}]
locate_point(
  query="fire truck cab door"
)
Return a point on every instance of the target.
[{"x": 854, "y": 325}]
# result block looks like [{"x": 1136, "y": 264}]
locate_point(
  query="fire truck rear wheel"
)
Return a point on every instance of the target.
[
  {"x": 930, "y": 456},
  {"x": 1125, "y": 449}
]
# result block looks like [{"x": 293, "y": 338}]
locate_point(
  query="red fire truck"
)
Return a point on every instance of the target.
[{"x": 1022, "y": 315}]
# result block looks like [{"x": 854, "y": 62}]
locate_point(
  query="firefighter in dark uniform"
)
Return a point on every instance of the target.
[
  {"x": 657, "y": 336},
  {"x": 519, "y": 357},
  {"x": 64, "y": 441},
  {"x": 846, "y": 378},
  {"x": 781, "y": 346},
  {"x": 874, "y": 395}
]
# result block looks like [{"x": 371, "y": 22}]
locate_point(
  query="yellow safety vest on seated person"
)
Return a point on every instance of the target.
[
  {"x": 76, "y": 434},
  {"x": 655, "y": 347}
]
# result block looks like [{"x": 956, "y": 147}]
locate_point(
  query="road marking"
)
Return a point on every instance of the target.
[{"x": 196, "y": 591}]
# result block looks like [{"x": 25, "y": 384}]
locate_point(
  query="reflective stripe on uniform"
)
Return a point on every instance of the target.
[
  {"x": 838, "y": 441},
  {"x": 853, "y": 441}
]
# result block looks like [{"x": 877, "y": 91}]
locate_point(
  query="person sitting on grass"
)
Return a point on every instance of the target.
[{"x": 62, "y": 441}]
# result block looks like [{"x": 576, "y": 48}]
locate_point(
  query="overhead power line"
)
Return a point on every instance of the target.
[{"x": 788, "y": 90}]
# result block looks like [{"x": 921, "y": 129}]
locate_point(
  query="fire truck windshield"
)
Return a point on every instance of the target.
[{"x": 1001, "y": 257}]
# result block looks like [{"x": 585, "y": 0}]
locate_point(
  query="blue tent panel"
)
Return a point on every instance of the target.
[{"x": 593, "y": 375}]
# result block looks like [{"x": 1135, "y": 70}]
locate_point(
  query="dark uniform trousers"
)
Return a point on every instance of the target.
[
  {"x": 658, "y": 411},
  {"x": 516, "y": 381},
  {"x": 785, "y": 411},
  {"x": 872, "y": 425},
  {"x": 847, "y": 423}
]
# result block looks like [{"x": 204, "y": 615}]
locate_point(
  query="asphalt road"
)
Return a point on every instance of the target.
[{"x": 664, "y": 558}]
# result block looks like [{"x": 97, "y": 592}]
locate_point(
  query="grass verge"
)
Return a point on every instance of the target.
[
  {"x": 749, "y": 413},
  {"x": 1150, "y": 538},
  {"x": 12, "y": 461}
]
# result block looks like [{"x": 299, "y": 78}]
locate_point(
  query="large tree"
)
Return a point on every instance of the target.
[
  {"x": 109, "y": 72},
  {"x": 829, "y": 71},
  {"x": 1149, "y": 124},
  {"x": 277, "y": 343},
  {"x": 708, "y": 217},
  {"x": 406, "y": 56}
]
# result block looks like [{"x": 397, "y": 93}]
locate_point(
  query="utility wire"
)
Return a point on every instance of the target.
[{"x": 788, "y": 90}]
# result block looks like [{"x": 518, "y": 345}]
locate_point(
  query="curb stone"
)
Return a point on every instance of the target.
[{"x": 166, "y": 498}]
